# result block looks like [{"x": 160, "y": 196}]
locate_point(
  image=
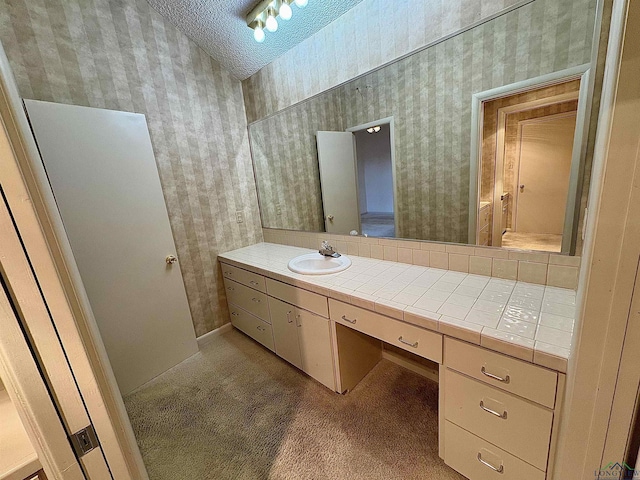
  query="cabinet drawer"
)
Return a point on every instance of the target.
[
  {"x": 530, "y": 381},
  {"x": 244, "y": 277},
  {"x": 408, "y": 337},
  {"x": 251, "y": 300},
  {"x": 300, "y": 298},
  {"x": 518, "y": 426},
  {"x": 465, "y": 453},
  {"x": 257, "y": 329}
]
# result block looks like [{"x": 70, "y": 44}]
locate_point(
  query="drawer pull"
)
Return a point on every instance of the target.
[
  {"x": 262, "y": 329},
  {"x": 500, "y": 469},
  {"x": 235, "y": 314},
  {"x": 289, "y": 317},
  {"x": 412, "y": 345},
  {"x": 256, "y": 300},
  {"x": 506, "y": 378},
  {"x": 344, "y": 317},
  {"x": 298, "y": 323},
  {"x": 502, "y": 415},
  {"x": 231, "y": 289},
  {"x": 255, "y": 284},
  {"x": 228, "y": 274}
]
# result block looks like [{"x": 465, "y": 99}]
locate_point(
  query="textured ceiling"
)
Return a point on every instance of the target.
[{"x": 219, "y": 27}]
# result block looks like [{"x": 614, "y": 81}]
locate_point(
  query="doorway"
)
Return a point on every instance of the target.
[
  {"x": 357, "y": 179},
  {"x": 375, "y": 181},
  {"x": 536, "y": 219},
  {"x": 528, "y": 154}
]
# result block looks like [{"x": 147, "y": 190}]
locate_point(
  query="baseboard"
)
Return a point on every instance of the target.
[
  {"x": 207, "y": 337},
  {"x": 411, "y": 365}
]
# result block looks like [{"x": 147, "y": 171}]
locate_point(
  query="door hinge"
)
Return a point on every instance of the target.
[{"x": 83, "y": 441}]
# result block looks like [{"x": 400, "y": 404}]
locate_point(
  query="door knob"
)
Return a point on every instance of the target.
[
  {"x": 522, "y": 187},
  {"x": 171, "y": 259},
  {"x": 330, "y": 218}
]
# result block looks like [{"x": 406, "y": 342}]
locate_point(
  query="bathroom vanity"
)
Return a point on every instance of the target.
[{"x": 500, "y": 398}]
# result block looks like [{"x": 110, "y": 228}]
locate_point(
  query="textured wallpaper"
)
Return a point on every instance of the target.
[
  {"x": 429, "y": 95},
  {"x": 122, "y": 55},
  {"x": 371, "y": 34}
]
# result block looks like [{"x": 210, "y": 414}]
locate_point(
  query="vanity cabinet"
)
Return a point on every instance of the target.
[
  {"x": 497, "y": 413},
  {"x": 285, "y": 331},
  {"x": 294, "y": 329},
  {"x": 303, "y": 339}
]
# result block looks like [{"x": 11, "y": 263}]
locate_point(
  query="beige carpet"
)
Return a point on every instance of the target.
[{"x": 237, "y": 411}]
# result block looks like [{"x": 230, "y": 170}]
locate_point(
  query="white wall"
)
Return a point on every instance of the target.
[{"x": 374, "y": 156}]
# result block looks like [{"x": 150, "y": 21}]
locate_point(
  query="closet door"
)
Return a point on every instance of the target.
[
  {"x": 285, "y": 332},
  {"x": 103, "y": 174}
]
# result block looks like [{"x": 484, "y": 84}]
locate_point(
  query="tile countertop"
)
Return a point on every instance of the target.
[{"x": 523, "y": 320}]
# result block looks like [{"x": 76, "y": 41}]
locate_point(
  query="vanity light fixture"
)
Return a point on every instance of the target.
[
  {"x": 264, "y": 16},
  {"x": 375, "y": 129}
]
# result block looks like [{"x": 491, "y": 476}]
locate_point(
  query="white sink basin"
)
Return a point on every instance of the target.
[{"x": 317, "y": 264}]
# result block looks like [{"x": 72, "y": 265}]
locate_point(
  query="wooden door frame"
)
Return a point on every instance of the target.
[
  {"x": 581, "y": 72},
  {"x": 521, "y": 124},
  {"x": 29, "y": 395},
  {"x": 39, "y": 224},
  {"x": 599, "y": 372},
  {"x": 384, "y": 121}
]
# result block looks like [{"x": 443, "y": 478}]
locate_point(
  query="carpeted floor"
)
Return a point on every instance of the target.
[{"x": 237, "y": 411}]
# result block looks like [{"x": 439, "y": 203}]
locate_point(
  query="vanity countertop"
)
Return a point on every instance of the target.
[{"x": 531, "y": 322}]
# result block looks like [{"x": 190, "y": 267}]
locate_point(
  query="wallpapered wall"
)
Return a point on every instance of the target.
[
  {"x": 122, "y": 55},
  {"x": 429, "y": 95},
  {"x": 369, "y": 35}
]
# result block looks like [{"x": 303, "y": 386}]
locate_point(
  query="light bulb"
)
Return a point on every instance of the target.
[
  {"x": 285, "y": 11},
  {"x": 272, "y": 23},
  {"x": 301, "y": 3},
  {"x": 258, "y": 34}
]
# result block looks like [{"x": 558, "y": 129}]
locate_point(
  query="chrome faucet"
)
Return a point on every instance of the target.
[{"x": 327, "y": 250}]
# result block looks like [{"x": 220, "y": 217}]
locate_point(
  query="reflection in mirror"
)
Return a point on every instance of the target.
[
  {"x": 527, "y": 154},
  {"x": 459, "y": 133}
]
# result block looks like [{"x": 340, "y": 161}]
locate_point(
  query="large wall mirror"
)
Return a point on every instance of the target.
[{"x": 450, "y": 144}]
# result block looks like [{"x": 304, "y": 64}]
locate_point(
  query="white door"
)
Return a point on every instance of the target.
[
  {"x": 102, "y": 170},
  {"x": 546, "y": 149},
  {"x": 338, "y": 180}
]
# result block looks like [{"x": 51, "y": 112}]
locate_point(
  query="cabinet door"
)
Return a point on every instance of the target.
[
  {"x": 315, "y": 347},
  {"x": 285, "y": 332}
]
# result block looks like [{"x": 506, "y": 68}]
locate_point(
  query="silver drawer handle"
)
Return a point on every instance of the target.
[
  {"x": 228, "y": 274},
  {"x": 344, "y": 317},
  {"x": 500, "y": 469},
  {"x": 235, "y": 314},
  {"x": 502, "y": 415},
  {"x": 289, "y": 317},
  {"x": 298, "y": 323},
  {"x": 506, "y": 379},
  {"x": 256, "y": 300},
  {"x": 254, "y": 283},
  {"x": 412, "y": 345},
  {"x": 231, "y": 288},
  {"x": 262, "y": 329}
]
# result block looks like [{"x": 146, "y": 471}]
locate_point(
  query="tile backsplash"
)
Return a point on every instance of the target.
[{"x": 533, "y": 267}]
